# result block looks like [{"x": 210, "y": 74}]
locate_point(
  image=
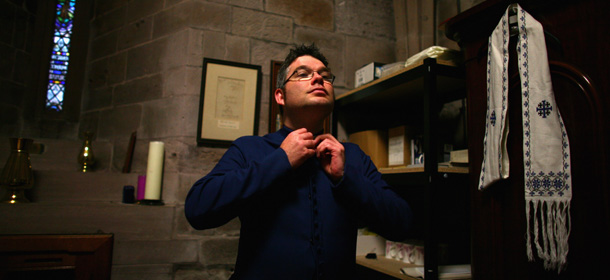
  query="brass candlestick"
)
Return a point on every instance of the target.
[
  {"x": 17, "y": 175},
  {"x": 86, "y": 158}
]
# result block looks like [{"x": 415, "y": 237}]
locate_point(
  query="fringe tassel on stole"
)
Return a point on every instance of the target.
[{"x": 553, "y": 228}]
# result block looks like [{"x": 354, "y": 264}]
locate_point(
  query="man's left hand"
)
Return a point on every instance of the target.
[{"x": 332, "y": 156}]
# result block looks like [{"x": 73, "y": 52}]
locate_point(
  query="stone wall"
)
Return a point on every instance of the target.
[
  {"x": 144, "y": 76},
  {"x": 16, "y": 48}
]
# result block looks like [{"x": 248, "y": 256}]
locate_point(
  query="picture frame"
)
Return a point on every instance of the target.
[
  {"x": 275, "y": 118},
  {"x": 229, "y": 105}
]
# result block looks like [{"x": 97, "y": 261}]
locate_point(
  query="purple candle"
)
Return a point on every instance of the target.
[{"x": 141, "y": 186}]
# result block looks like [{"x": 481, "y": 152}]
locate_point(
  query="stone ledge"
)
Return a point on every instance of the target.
[
  {"x": 154, "y": 251},
  {"x": 54, "y": 186},
  {"x": 61, "y": 155},
  {"x": 125, "y": 221}
]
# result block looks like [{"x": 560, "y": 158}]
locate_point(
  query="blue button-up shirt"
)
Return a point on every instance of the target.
[{"x": 295, "y": 224}]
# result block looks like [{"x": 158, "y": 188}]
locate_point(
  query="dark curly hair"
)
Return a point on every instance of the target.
[{"x": 296, "y": 52}]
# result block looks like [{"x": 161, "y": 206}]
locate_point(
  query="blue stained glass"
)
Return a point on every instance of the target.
[{"x": 60, "y": 54}]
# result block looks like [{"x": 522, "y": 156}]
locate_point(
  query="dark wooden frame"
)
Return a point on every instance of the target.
[
  {"x": 578, "y": 66},
  {"x": 274, "y": 109},
  {"x": 83, "y": 256},
  {"x": 218, "y": 139}
]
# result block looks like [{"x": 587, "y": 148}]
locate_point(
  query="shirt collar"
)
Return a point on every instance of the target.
[{"x": 286, "y": 130}]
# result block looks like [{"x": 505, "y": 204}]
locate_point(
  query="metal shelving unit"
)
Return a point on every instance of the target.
[{"x": 413, "y": 95}]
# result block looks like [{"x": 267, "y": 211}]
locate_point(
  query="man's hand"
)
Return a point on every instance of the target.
[
  {"x": 299, "y": 146},
  {"x": 332, "y": 156}
]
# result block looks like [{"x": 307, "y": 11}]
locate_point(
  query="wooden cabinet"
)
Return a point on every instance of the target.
[
  {"x": 42, "y": 256},
  {"x": 577, "y": 47},
  {"x": 438, "y": 196}
]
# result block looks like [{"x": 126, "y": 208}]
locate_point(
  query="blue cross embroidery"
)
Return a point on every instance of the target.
[
  {"x": 493, "y": 118},
  {"x": 544, "y": 109}
]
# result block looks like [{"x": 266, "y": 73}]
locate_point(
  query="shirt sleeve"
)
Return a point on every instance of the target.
[
  {"x": 371, "y": 199},
  {"x": 218, "y": 197}
]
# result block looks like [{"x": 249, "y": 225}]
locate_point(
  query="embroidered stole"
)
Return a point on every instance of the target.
[{"x": 546, "y": 152}]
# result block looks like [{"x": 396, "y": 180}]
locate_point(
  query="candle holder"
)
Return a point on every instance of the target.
[
  {"x": 17, "y": 175},
  {"x": 151, "y": 202},
  {"x": 86, "y": 158}
]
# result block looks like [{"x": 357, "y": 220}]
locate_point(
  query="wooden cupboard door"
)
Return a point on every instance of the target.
[{"x": 579, "y": 59}]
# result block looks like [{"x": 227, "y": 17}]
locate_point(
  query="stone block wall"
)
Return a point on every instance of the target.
[
  {"x": 16, "y": 49},
  {"x": 144, "y": 76}
]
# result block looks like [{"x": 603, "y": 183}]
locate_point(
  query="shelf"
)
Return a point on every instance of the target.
[
  {"x": 399, "y": 98},
  {"x": 413, "y": 97},
  {"x": 416, "y": 176},
  {"x": 406, "y": 84},
  {"x": 417, "y": 169},
  {"x": 384, "y": 265},
  {"x": 392, "y": 267}
]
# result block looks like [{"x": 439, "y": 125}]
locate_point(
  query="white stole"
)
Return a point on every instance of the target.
[{"x": 546, "y": 151}]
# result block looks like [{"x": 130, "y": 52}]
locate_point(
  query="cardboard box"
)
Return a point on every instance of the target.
[
  {"x": 368, "y": 73},
  {"x": 374, "y": 143},
  {"x": 399, "y": 146},
  {"x": 459, "y": 157}
]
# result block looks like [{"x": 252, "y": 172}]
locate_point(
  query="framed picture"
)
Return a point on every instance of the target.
[
  {"x": 275, "y": 118},
  {"x": 229, "y": 103}
]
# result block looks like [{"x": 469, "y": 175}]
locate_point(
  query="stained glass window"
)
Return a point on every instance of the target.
[{"x": 60, "y": 55}]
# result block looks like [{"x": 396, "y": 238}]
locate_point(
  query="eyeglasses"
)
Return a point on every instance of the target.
[{"x": 306, "y": 74}]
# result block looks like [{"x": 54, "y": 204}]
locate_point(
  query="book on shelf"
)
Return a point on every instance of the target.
[{"x": 417, "y": 151}]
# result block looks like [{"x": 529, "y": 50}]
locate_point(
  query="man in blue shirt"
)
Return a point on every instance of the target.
[{"x": 300, "y": 195}]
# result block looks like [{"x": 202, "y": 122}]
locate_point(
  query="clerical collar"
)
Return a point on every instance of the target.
[{"x": 287, "y": 131}]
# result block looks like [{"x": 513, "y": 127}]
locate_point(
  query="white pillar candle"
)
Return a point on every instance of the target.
[{"x": 154, "y": 171}]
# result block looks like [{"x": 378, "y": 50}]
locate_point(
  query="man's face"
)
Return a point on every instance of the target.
[{"x": 306, "y": 93}]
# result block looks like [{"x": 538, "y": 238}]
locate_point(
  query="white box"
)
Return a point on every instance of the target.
[
  {"x": 370, "y": 244},
  {"x": 399, "y": 146},
  {"x": 368, "y": 73}
]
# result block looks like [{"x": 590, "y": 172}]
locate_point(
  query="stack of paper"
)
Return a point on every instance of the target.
[{"x": 437, "y": 52}]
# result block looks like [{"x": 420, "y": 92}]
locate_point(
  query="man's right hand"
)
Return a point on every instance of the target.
[{"x": 299, "y": 146}]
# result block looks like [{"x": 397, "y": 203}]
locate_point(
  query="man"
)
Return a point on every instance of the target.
[{"x": 300, "y": 195}]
